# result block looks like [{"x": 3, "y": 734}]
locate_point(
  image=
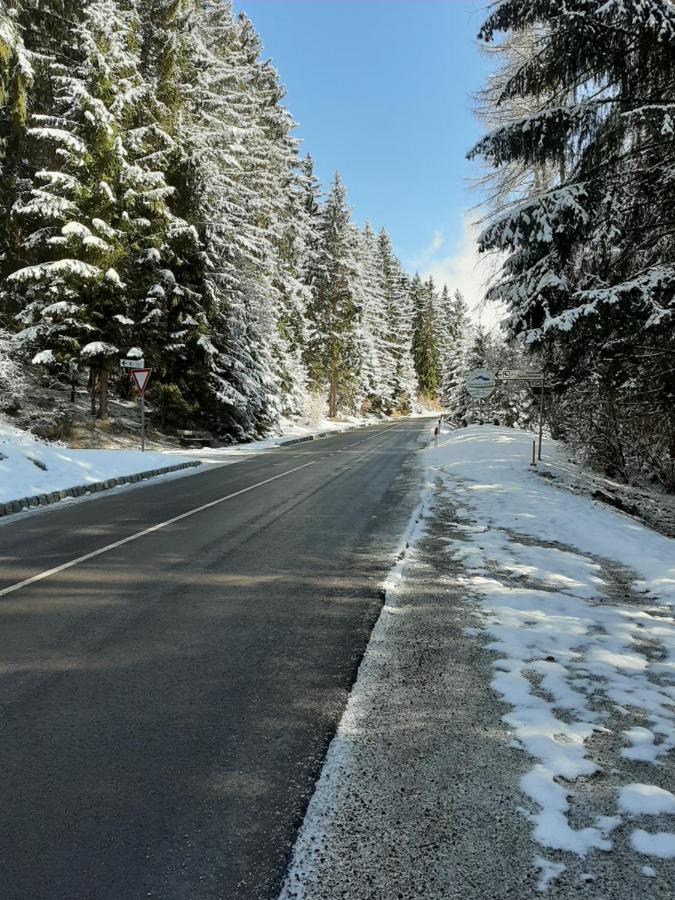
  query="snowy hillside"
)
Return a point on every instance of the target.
[{"x": 29, "y": 467}]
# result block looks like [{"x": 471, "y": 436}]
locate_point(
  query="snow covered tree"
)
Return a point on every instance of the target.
[
  {"x": 399, "y": 327},
  {"x": 252, "y": 257},
  {"x": 376, "y": 361},
  {"x": 425, "y": 339},
  {"x": 16, "y": 79},
  {"x": 456, "y": 364},
  {"x": 71, "y": 296},
  {"x": 589, "y": 276},
  {"x": 333, "y": 344}
]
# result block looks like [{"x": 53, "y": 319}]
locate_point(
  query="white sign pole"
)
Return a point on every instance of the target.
[{"x": 541, "y": 415}]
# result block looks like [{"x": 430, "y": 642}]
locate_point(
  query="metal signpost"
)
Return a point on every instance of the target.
[
  {"x": 515, "y": 376},
  {"x": 142, "y": 377}
]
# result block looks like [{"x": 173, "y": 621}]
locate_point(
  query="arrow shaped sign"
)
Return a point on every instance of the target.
[{"x": 141, "y": 377}]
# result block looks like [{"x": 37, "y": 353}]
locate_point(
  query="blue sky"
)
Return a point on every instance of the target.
[{"x": 381, "y": 90}]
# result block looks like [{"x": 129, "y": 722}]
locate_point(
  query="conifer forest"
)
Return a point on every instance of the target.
[{"x": 153, "y": 197}]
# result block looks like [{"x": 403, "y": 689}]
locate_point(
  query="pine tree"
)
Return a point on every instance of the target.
[
  {"x": 71, "y": 294},
  {"x": 332, "y": 351},
  {"x": 425, "y": 336},
  {"x": 403, "y": 385},
  {"x": 173, "y": 303},
  {"x": 16, "y": 80},
  {"x": 457, "y": 364},
  {"x": 231, "y": 144},
  {"x": 376, "y": 363},
  {"x": 589, "y": 276}
]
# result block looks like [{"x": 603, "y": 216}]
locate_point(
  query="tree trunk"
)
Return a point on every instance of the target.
[
  {"x": 103, "y": 394},
  {"x": 332, "y": 397},
  {"x": 91, "y": 386}
]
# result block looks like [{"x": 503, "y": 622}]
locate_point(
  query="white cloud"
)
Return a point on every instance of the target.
[
  {"x": 425, "y": 257},
  {"x": 465, "y": 269}
]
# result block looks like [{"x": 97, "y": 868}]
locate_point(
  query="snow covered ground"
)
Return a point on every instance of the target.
[
  {"x": 29, "y": 467},
  {"x": 578, "y": 605},
  {"x": 568, "y": 619}
]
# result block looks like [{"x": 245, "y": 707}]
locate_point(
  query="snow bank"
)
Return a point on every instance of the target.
[
  {"x": 28, "y": 467},
  {"x": 577, "y": 604},
  {"x": 514, "y": 496}
]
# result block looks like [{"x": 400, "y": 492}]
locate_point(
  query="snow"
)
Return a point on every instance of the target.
[
  {"x": 44, "y": 358},
  {"x": 660, "y": 843},
  {"x": 69, "y": 267},
  {"x": 646, "y": 800},
  {"x": 29, "y": 467},
  {"x": 98, "y": 348},
  {"x": 543, "y": 562},
  {"x": 549, "y": 872},
  {"x": 75, "y": 229},
  {"x": 113, "y": 277}
]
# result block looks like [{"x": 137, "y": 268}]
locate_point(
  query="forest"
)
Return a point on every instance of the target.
[
  {"x": 579, "y": 179},
  {"x": 154, "y": 197}
]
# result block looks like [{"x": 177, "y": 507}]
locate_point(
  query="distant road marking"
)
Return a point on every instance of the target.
[
  {"x": 140, "y": 534},
  {"x": 363, "y": 440}
]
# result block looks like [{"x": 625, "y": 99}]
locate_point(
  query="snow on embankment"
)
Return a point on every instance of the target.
[
  {"x": 577, "y": 603},
  {"x": 30, "y": 468}
]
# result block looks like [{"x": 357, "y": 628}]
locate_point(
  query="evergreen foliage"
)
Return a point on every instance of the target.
[
  {"x": 586, "y": 221},
  {"x": 152, "y": 195}
]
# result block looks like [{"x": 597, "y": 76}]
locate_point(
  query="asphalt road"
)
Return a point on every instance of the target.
[{"x": 165, "y": 705}]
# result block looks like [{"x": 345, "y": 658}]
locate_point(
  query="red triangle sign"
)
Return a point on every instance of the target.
[{"x": 141, "y": 377}]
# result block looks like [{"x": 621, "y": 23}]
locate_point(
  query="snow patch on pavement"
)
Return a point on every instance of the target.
[
  {"x": 646, "y": 800},
  {"x": 578, "y": 607},
  {"x": 660, "y": 844}
]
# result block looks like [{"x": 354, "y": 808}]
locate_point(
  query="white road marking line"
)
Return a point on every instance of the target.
[
  {"x": 140, "y": 534},
  {"x": 363, "y": 440}
]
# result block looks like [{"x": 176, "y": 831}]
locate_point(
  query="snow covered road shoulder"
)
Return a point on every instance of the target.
[
  {"x": 577, "y": 602},
  {"x": 517, "y": 700},
  {"x": 30, "y": 468}
]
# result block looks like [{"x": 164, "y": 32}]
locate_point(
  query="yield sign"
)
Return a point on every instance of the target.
[{"x": 141, "y": 377}]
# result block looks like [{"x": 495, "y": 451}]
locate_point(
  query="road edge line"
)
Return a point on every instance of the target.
[{"x": 41, "y": 576}]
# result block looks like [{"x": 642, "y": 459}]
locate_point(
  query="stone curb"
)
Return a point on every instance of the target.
[
  {"x": 81, "y": 490},
  {"x": 313, "y": 437}
]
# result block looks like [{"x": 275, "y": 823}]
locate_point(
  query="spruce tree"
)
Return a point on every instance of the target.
[
  {"x": 332, "y": 351},
  {"x": 403, "y": 385},
  {"x": 376, "y": 361},
  {"x": 16, "y": 80},
  {"x": 589, "y": 277},
  {"x": 425, "y": 336}
]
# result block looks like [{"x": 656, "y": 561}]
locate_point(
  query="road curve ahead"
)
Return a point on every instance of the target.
[{"x": 167, "y": 694}]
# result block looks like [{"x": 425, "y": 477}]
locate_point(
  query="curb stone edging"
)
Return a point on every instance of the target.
[
  {"x": 313, "y": 437},
  {"x": 80, "y": 490}
]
